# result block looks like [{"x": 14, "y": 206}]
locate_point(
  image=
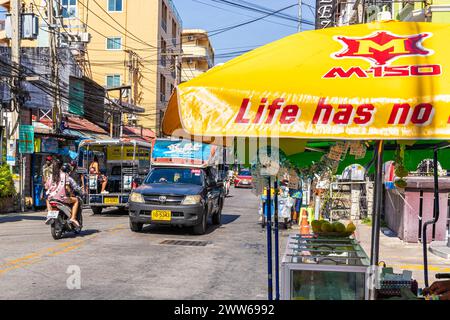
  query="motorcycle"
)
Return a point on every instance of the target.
[
  {"x": 227, "y": 186},
  {"x": 59, "y": 219}
]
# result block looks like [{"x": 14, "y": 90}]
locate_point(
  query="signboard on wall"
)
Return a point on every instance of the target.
[
  {"x": 325, "y": 12},
  {"x": 49, "y": 145},
  {"x": 26, "y": 139}
]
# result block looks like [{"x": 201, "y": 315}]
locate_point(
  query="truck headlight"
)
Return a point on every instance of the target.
[
  {"x": 190, "y": 200},
  {"x": 136, "y": 197}
]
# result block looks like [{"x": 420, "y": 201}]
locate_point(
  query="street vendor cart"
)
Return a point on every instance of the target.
[{"x": 370, "y": 84}]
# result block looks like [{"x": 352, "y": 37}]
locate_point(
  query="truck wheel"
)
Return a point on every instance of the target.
[
  {"x": 97, "y": 210},
  {"x": 136, "y": 226},
  {"x": 201, "y": 228},
  {"x": 217, "y": 217}
]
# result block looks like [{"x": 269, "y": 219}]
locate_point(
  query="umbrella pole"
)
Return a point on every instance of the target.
[
  {"x": 269, "y": 242},
  {"x": 435, "y": 215},
  {"x": 277, "y": 258},
  {"x": 376, "y": 212}
]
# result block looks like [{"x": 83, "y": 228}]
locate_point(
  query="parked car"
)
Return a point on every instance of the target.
[
  {"x": 243, "y": 179},
  {"x": 178, "y": 195}
]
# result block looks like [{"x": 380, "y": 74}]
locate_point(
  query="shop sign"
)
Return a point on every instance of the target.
[
  {"x": 49, "y": 145},
  {"x": 114, "y": 153},
  {"x": 325, "y": 11},
  {"x": 26, "y": 139},
  {"x": 11, "y": 152}
]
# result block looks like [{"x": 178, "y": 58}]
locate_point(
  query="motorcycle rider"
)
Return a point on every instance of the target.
[{"x": 61, "y": 187}]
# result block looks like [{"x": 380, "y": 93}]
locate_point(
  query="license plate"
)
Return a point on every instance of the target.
[
  {"x": 111, "y": 200},
  {"x": 52, "y": 214},
  {"x": 245, "y": 182},
  {"x": 162, "y": 215}
]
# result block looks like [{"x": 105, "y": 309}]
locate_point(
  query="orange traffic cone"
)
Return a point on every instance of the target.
[{"x": 304, "y": 225}]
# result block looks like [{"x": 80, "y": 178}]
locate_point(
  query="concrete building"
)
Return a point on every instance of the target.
[
  {"x": 3, "y": 41},
  {"x": 134, "y": 43},
  {"x": 359, "y": 11},
  {"x": 198, "y": 54}
]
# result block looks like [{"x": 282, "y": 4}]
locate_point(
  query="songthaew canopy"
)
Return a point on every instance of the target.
[{"x": 382, "y": 80}]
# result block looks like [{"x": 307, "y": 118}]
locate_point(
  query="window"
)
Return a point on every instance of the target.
[
  {"x": 162, "y": 88},
  {"x": 163, "y": 52},
  {"x": 176, "y": 176},
  {"x": 115, "y": 5},
  {"x": 174, "y": 32},
  {"x": 164, "y": 16},
  {"x": 114, "y": 43},
  {"x": 113, "y": 80},
  {"x": 69, "y": 8}
]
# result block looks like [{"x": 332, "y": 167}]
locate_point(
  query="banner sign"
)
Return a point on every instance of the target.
[
  {"x": 325, "y": 12},
  {"x": 26, "y": 139},
  {"x": 181, "y": 149}
]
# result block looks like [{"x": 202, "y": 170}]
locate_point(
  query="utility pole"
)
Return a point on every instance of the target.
[
  {"x": 15, "y": 62},
  {"x": 300, "y": 15},
  {"x": 13, "y": 134},
  {"x": 53, "y": 44}
]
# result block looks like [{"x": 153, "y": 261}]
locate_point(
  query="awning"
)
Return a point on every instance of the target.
[{"x": 382, "y": 80}]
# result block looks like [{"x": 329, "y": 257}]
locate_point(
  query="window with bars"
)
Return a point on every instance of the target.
[
  {"x": 163, "y": 52},
  {"x": 162, "y": 88},
  {"x": 174, "y": 32},
  {"x": 164, "y": 16}
]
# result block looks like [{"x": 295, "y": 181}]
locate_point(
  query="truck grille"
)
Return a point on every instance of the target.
[{"x": 169, "y": 200}]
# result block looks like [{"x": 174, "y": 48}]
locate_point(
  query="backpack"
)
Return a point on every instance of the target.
[{"x": 58, "y": 191}]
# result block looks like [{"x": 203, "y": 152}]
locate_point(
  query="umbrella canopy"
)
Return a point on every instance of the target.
[{"x": 383, "y": 80}]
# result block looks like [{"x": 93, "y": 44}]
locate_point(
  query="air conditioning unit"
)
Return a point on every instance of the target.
[
  {"x": 191, "y": 38},
  {"x": 85, "y": 37}
]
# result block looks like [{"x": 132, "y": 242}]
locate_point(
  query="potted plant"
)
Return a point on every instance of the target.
[{"x": 7, "y": 190}]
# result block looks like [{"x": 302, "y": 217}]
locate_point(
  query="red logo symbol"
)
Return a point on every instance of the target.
[{"x": 383, "y": 47}]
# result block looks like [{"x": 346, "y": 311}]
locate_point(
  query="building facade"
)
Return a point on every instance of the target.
[
  {"x": 341, "y": 13},
  {"x": 198, "y": 53},
  {"x": 135, "y": 44}
]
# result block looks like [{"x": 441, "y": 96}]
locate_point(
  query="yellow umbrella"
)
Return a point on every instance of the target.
[
  {"x": 383, "y": 80},
  {"x": 377, "y": 81}
]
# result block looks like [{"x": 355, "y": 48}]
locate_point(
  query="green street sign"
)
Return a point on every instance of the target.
[{"x": 26, "y": 139}]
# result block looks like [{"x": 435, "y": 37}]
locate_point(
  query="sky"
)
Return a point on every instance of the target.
[{"x": 211, "y": 15}]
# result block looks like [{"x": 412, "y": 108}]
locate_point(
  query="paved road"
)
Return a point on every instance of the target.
[{"x": 116, "y": 263}]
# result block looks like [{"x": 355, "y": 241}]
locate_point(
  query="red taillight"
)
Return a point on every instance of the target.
[{"x": 134, "y": 185}]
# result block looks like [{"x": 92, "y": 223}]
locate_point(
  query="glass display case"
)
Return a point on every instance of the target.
[{"x": 323, "y": 269}]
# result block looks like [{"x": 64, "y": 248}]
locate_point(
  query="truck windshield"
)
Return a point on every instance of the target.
[
  {"x": 175, "y": 175},
  {"x": 245, "y": 172}
]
